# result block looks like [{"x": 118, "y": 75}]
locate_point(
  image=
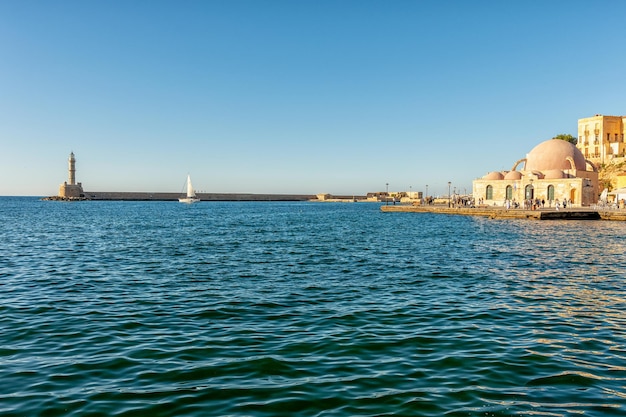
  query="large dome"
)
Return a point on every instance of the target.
[{"x": 555, "y": 154}]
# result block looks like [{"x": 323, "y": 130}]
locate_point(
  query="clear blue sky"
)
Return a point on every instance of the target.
[{"x": 295, "y": 96}]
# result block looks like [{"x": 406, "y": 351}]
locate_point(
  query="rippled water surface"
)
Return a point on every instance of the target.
[{"x": 306, "y": 309}]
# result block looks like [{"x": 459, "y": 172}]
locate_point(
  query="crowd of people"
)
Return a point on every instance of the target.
[
  {"x": 534, "y": 204},
  {"x": 454, "y": 201},
  {"x": 528, "y": 204}
]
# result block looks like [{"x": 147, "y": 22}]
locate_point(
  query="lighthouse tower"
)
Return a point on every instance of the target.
[
  {"x": 72, "y": 169},
  {"x": 71, "y": 189}
]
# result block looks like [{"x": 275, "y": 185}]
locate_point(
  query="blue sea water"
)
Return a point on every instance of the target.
[{"x": 306, "y": 309}]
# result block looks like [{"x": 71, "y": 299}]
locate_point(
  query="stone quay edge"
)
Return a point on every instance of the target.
[{"x": 502, "y": 213}]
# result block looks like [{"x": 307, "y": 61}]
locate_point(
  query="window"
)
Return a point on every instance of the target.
[
  {"x": 550, "y": 192},
  {"x": 530, "y": 192},
  {"x": 489, "y": 194},
  {"x": 509, "y": 192}
]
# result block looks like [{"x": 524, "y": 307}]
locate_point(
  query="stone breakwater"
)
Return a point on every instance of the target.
[
  {"x": 147, "y": 196},
  {"x": 502, "y": 213}
]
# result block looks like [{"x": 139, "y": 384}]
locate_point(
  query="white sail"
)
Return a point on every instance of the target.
[{"x": 190, "y": 192}]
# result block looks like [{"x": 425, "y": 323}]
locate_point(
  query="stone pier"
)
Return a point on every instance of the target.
[{"x": 502, "y": 213}]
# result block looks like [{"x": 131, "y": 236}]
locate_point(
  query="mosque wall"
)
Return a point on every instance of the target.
[{"x": 580, "y": 191}]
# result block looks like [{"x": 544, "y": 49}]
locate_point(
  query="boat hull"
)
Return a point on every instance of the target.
[{"x": 189, "y": 200}]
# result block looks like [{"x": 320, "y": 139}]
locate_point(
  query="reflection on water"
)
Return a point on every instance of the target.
[{"x": 265, "y": 309}]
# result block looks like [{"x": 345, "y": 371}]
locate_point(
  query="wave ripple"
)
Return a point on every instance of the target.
[{"x": 268, "y": 309}]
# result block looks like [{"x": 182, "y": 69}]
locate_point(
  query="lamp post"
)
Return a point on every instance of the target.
[
  {"x": 387, "y": 195},
  {"x": 426, "y": 193},
  {"x": 410, "y": 192},
  {"x": 449, "y": 183}
]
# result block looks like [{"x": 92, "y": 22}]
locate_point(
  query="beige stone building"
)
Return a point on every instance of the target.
[
  {"x": 601, "y": 138},
  {"x": 553, "y": 170},
  {"x": 71, "y": 189}
]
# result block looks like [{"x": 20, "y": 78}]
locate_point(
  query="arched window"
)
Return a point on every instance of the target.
[
  {"x": 489, "y": 194},
  {"x": 509, "y": 192},
  {"x": 530, "y": 192},
  {"x": 550, "y": 192}
]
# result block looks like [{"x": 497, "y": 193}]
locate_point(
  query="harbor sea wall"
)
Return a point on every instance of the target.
[
  {"x": 146, "y": 196},
  {"x": 502, "y": 213}
]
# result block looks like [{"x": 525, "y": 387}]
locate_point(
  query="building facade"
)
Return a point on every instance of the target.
[
  {"x": 553, "y": 170},
  {"x": 601, "y": 138}
]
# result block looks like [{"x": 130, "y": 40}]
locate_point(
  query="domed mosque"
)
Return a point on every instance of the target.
[{"x": 553, "y": 170}]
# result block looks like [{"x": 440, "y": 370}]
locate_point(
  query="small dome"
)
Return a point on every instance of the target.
[
  {"x": 513, "y": 175},
  {"x": 555, "y": 154},
  {"x": 495, "y": 175},
  {"x": 554, "y": 174}
]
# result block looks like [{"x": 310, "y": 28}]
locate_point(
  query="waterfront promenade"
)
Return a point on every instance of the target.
[{"x": 495, "y": 212}]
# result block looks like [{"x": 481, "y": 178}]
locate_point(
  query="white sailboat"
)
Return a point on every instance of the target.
[{"x": 191, "y": 194}]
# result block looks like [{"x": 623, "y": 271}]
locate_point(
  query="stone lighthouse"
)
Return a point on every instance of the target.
[{"x": 71, "y": 189}]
